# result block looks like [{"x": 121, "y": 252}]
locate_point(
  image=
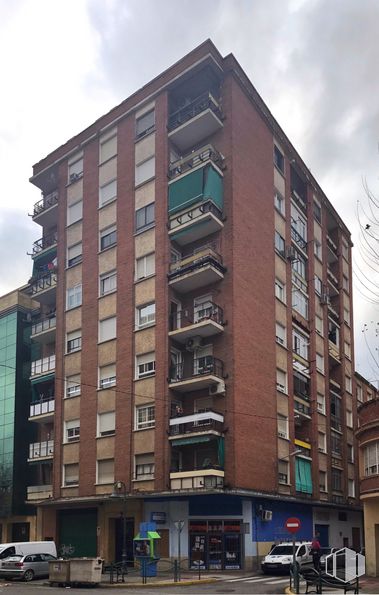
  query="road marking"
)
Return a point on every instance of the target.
[
  {"x": 245, "y": 578},
  {"x": 278, "y": 581},
  {"x": 258, "y": 580}
]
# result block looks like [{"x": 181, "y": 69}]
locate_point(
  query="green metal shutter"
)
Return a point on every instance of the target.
[
  {"x": 78, "y": 535},
  {"x": 185, "y": 191},
  {"x": 303, "y": 476},
  {"x": 213, "y": 187}
]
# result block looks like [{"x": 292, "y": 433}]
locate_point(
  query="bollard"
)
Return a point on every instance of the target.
[{"x": 175, "y": 571}]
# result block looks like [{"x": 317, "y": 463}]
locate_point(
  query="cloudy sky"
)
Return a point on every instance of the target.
[{"x": 314, "y": 62}]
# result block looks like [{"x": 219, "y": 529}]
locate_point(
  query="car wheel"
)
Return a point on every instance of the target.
[{"x": 28, "y": 575}]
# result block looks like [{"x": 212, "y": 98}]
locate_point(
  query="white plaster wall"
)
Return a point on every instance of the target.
[
  {"x": 338, "y": 529},
  {"x": 176, "y": 510}
]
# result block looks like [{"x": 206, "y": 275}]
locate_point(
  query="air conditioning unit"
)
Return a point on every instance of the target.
[
  {"x": 291, "y": 253},
  {"x": 193, "y": 344},
  {"x": 266, "y": 515},
  {"x": 217, "y": 389},
  {"x": 74, "y": 177}
]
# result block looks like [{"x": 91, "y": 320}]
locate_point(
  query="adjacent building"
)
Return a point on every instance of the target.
[{"x": 195, "y": 339}]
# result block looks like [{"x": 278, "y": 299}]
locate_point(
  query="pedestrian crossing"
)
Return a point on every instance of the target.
[{"x": 272, "y": 580}]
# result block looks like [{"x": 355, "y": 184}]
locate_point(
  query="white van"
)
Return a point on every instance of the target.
[
  {"x": 281, "y": 556},
  {"x": 26, "y": 547}
]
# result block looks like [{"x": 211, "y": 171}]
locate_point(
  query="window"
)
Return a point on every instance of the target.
[
  {"x": 335, "y": 443},
  {"x": 347, "y": 349},
  {"x": 320, "y": 403},
  {"x": 145, "y": 315},
  {"x": 346, "y": 315},
  {"x": 145, "y": 417},
  {"x": 278, "y": 159},
  {"x": 74, "y": 296},
  {"x": 71, "y": 474},
  {"x": 345, "y": 250},
  {"x": 280, "y": 244},
  {"x": 108, "y": 237},
  {"x": 145, "y": 171},
  {"x": 317, "y": 248},
  {"x": 145, "y": 365},
  {"x": 299, "y": 268},
  {"x": 108, "y": 146},
  {"x": 74, "y": 212},
  {"x": 371, "y": 459},
  {"x": 349, "y": 418},
  {"x": 280, "y": 290},
  {"x": 322, "y": 442},
  {"x": 318, "y": 285},
  {"x": 300, "y": 344},
  {"x": 72, "y": 430},
  {"x": 320, "y": 362},
  {"x": 145, "y": 217},
  {"x": 345, "y": 283},
  {"x": 145, "y": 266},
  {"x": 301, "y": 386},
  {"x": 283, "y": 472},
  {"x": 322, "y": 481},
  {"x": 369, "y": 395},
  {"x": 105, "y": 471},
  {"x": 348, "y": 384},
  {"x": 107, "y": 376},
  {"x": 333, "y": 333},
  {"x": 359, "y": 393},
  {"x": 319, "y": 325},
  {"x": 107, "y": 329},
  {"x": 107, "y": 193},
  {"x": 144, "y": 466},
  {"x": 317, "y": 211},
  {"x": 336, "y": 480},
  {"x": 108, "y": 282},
  {"x": 145, "y": 124},
  {"x": 351, "y": 488},
  {"x": 282, "y": 422},
  {"x": 280, "y": 334},
  {"x": 74, "y": 341},
  {"x": 75, "y": 169},
  {"x": 350, "y": 453},
  {"x": 106, "y": 423},
  {"x": 73, "y": 388},
  {"x": 299, "y": 227},
  {"x": 279, "y": 202},
  {"x": 299, "y": 302},
  {"x": 74, "y": 254},
  {"x": 281, "y": 380}
]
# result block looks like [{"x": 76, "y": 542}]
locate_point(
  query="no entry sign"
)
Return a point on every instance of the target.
[{"x": 292, "y": 525}]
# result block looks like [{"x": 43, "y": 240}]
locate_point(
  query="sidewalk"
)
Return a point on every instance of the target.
[{"x": 134, "y": 580}]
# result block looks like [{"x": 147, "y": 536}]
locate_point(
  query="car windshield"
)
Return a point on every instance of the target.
[{"x": 280, "y": 550}]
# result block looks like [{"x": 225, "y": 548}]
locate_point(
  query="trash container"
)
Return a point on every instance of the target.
[
  {"x": 86, "y": 570},
  {"x": 59, "y": 571}
]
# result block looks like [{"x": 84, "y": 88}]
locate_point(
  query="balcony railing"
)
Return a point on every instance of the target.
[
  {"x": 198, "y": 422},
  {"x": 194, "y": 159},
  {"x": 335, "y": 423},
  {"x": 331, "y": 244},
  {"x": 192, "y": 215},
  {"x": 192, "y": 109},
  {"x": 39, "y": 492},
  {"x": 298, "y": 239},
  {"x": 203, "y": 312},
  {"x": 39, "y": 450},
  {"x": 48, "y": 201},
  {"x": 45, "y": 324},
  {"x": 302, "y": 409},
  {"x": 43, "y": 366},
  {"x": 48, "y": 281},
  {"x": 42, "y": 407},
  {"x": 202, "y": 366},
  {"x": 45, "y": 242},
  {"x": 194, "y": 261},
  {"x": 197, "y": 480}
]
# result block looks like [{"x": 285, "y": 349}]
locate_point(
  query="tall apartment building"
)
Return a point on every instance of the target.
[{"x": 200, "y": 281}]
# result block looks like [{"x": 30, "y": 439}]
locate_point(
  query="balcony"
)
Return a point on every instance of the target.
[
  {"x": 41, "y": 450},
  {"x": 42, "y": 410},
  {"x": 205, "y": 321},
  {"x": 41, "y": 492},
  {"x": 44, "y": 244},
  {"x": 332, "y": 311},
  {"x": 191, "y": 429},
  {"x": 302, "y": 412},
  {"x": 45, "y": 211},
  {"x": 204, "y": 479},
  {"x": 44, "y": 288},
  {"x": 196, "y": 270},
  {"x": 43, "y": 366},
  {"x": 195, "y": 223},
  {"x": 195, "y": 122},
  {"x": 334, "y": 351},
  {"x": 198, "y": 374},
  {"x": 298, "y": 239},
  {"x": 333, "y": 249},
  {"x": 43, "y": 330}
]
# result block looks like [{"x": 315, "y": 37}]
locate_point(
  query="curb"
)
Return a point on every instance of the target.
[
  {"x": 183, "y": 583},
  {"x": 288, "y": 591}
]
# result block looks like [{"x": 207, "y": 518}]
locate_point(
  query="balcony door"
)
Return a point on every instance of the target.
[
  {"x": 203, "y": 360},
  {"x": 202, "y": 307},
  {"x": 175, "y": 315},
  {"x": 176, "y": 368}
]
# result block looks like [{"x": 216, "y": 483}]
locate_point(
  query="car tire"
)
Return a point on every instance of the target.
[{"x": 28, "y": 575}]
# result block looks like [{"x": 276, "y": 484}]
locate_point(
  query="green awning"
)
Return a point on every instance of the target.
[
  {"x": 191, "y": 440},
  {"x": 199, "y": 185},
  {"x": 42, "y": 378}
]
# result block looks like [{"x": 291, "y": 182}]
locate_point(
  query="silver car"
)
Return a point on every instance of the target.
[{"x": 26, "y": 567}]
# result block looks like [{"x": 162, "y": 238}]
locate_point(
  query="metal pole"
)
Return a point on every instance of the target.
[
  {"x": 179, "y": 552},
  {"x": 294, "y": 564},
  {"x": 124, "y": 554}
]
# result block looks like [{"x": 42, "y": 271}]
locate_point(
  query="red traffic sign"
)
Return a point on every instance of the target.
[{"x": 292, "y": 525}]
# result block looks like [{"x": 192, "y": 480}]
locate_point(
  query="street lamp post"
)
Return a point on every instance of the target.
[{"x": 120, "y": 490}]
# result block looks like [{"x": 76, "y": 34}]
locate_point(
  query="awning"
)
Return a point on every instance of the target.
[
  {"x": 190, "y": 440},
  {"x": 42, "y": 378},
  {"x": 148, "y": 535}
]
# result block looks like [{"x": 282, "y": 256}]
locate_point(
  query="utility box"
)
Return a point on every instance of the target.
[
  {"x": 59, "y": 571},
  {"x": 86, "y": 570}
]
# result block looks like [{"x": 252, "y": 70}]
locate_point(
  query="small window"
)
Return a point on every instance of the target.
[
  {"x": 345, "y": 250},
  {"x": 106, "y": 423},
  {"x": 347, "y": 349},
  {"x": 319, "y": 325},
  {"x": 145, "y": 365},
  {"x": 145, "y": 124},
  {"x": 74, "y": 254},
  {"x": 359, "y": 393},
  {"x": 144, "y": 466},
  {"x": 145, "y": 217},
  {"x": 279, "y": 202},
  {"x": 350, "y": 453},
  {"x": 322, "y": 481},
  {"x": 73, "y": 387},
  {"x": 281, "y": 380},
  {"x": 145, "y": 315},
  {"x": 280, "y": 290},
  {"x": 282, "y": 422},
  {"x": 322, "y": 442},
  {"x": 145, "y": 266},
  {"x": 345, "y": 283},
  {"x": 351, "y": 488},
  {"x": 75, "y": 170},
  {"x": 72, "y": 430},
  {"x": 145, "y": 171},
  {"x": 74, "y": 296},
  {"x": 318, "y": 285},
  {"x": 108, "y": 237},
  {"x": 71, "y": 474},
  {"x": 346, "y": 315},
  {"x": 348, "y": 384},
  {"x": 107, "y": 376},
  {"x": 105, "y": 471},
  {"x": 321, "y": 403},
  {"x": 278, "y": 159},
  {"x": 108, "y": 147},
  {"x": 108, "y": 282},
  {"x": 107, "y": 329},
  {"x": 280, "y": 244},
  {"x": 280, "y": 334},
  {"x": 349, "y": 418},
  {"x": 300, "y": 302},
  {"x": 317, "y": 211},
  {"x": 283, "y": 472},
  {"x": 75, "y": 212},
  {"x": 317, "y": 249},
  {"x": 320, "y": 365},
  {"x": 74, "y": 341},
  {"x": 145, "y": 417},
  {"x": 107, "y": 193}
]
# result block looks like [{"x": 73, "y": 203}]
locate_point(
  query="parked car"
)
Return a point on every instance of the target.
[
  {"x": 22, "y": 548},
  {"x": 326, "y": 551},
  {"x": 280, "y": 557},
  {"x": 26, "y": 567}
]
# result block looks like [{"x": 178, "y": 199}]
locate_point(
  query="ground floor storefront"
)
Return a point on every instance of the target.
[{"x": 18, "y": 528}]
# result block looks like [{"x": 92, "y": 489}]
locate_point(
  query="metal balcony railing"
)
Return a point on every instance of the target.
[
  {"x": 42, "y": 406},
  {"x": 42, "y": 366},
  {"x": 198, "y": 422},
  {"x": 192, "y": 109},
  {"x": 47, "y": 281},
  {"x": 301, "y": 408},
  {"x": 201, "y": 366},
  {"x": 45, "y": 203},
  {"x": 44, "y": 325},
  {"x": 196, "y": 261},
  {"x": 298, "y": 239},
  {"x": 39, "y": 450},
  {"x": 193, "y": 159},
  {"x": 45, "y": 242},
  {"x": 194, "y": 213},
  {"x": 335, "y": 423},
  {"x": 206, "y": 311},
  {"x": 207, "y": 464}
]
